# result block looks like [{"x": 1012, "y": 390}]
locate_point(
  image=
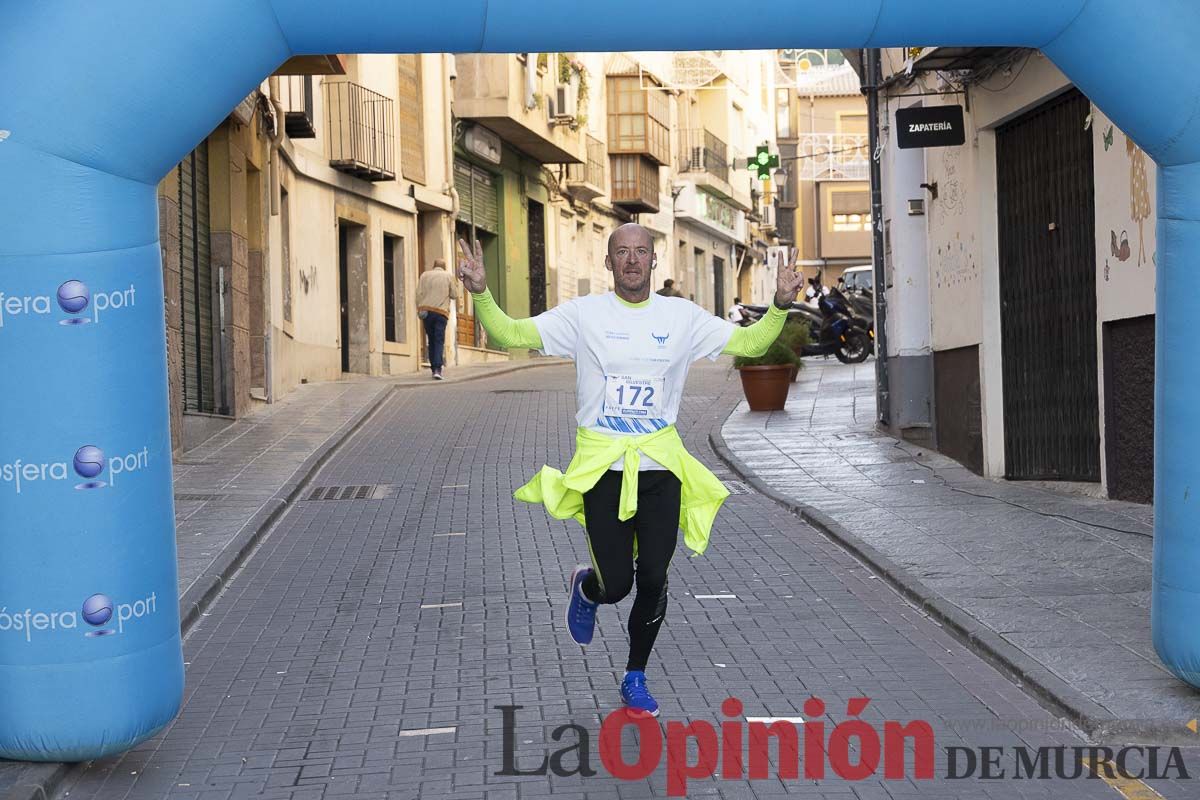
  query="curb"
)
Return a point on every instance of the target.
[
  {"x": 1049, "y": 690},
  {"x": 37, "y": 782},
  {"x": 40, "y": 781}
]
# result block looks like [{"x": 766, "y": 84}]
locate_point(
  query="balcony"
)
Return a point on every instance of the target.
[
  {"x": 360, "y": 125},
  {"x": 704, "y": 152},
  {"x": 491, "y": 89},
  {"x": 296, "y": 97},
  {"x": 704, "y": 161},
  {"x": 588, "y": 180},
  {"x": 638, "y": 119},
  {"x": 833, "y": 157},
  {"x": 635, "y": 184}
]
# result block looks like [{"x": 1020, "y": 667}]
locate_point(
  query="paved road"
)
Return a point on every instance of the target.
[{"x": 363, "y": 650}]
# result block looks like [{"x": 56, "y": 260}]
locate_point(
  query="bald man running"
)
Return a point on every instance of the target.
[{"x": 631, "y": 482}]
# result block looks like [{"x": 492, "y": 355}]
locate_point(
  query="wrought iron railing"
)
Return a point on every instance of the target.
[
  {"x": 703, "y": 152},
  {"x": 833, "y": 157},
  {"x": 360, "y": 129},
  {"x": 592, "y": 171},
  {"x": 296, "y": 97}
]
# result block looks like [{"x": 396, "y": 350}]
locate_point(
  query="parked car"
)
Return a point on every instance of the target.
[{"x": 859, "y": 278}]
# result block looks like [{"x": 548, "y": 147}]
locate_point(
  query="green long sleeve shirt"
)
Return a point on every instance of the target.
[{"x": 505, "y": 332}]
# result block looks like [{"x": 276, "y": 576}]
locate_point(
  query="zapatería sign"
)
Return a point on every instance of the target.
[{"x": 930, "y": 126}]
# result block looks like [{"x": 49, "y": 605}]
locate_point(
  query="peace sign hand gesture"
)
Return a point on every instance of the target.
[
  {"x": 470, "y": 268},
  {"x": 788, "y": 280}
]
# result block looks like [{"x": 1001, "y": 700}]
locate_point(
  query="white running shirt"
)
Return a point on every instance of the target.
[{"x": 631, "y": 363}]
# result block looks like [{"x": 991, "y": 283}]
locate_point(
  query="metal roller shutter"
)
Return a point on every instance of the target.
[{"x": 196, "y": 282}]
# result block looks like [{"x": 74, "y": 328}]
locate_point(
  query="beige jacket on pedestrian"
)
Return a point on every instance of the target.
[{"x": 436, "y": 290}]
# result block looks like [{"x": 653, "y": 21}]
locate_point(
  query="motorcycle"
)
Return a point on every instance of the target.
[
  {"x": 833, "y": 328},
  {"x": 862, "y": 303}
]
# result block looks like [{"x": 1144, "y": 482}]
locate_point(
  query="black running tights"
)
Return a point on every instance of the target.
[{"x": 656, "y": 524}]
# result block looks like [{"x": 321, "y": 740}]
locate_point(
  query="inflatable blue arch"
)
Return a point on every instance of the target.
[{"x": 100, "y": 100}]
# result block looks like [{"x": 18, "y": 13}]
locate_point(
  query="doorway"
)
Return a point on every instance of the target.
[
  {"x": 1045, "y": 193},
  {"x": 719, "y": 286},
  {"x": 354, "y": 317},
  {"x": 537, "y": 258}
]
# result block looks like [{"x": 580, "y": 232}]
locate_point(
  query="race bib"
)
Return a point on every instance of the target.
[{"x": 633, "y": 396}]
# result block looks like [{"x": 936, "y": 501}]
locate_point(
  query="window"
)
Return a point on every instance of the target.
[
  {"x": 783, "y": 113},
  {"x": 850, "y": 211},
  {"x": 635, "y": 183},
  {"x": 393, "y": 289},
  {"x": 412, "y": 123},
  {"x": 638, "y": 119}
]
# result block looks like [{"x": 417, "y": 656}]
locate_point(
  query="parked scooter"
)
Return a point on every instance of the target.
[
  {"x": 833, "y": 328},
  {"x": 862, "y": 304}
]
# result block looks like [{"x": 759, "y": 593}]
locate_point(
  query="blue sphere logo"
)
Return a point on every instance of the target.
[
  {"x": 89, "y": 461},
  {"x": 97, "y": 609},
  {"x": 73, "y": 297}
]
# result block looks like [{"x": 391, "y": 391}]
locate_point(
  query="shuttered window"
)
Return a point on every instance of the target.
[
  {"x": 477, "y": 196},
  {"x": 412, "y": 123},
  {"x": 196, "y": 301},
  {"x": 850, "y": 202}
]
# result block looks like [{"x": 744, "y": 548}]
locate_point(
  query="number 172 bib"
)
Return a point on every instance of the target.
[{"x": 633, "y": 396}]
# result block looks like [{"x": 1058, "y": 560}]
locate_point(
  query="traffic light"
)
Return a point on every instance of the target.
[{"x": 764, "y": 162}]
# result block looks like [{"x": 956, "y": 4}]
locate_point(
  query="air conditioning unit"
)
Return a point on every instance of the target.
[
  {"x": 768, "y": 216},
  {"x": 566, "y": 103}
]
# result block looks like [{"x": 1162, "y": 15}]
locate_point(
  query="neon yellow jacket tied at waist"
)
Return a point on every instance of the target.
[{"x": 701, "y": 493}]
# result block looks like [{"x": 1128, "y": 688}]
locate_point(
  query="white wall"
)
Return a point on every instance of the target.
[
  {"x": 1126, "y": 182},
  {"x": 1124, "y": 282},
  {"x": 909, "y": 330}
]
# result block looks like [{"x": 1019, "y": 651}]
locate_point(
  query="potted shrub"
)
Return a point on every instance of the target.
[
  {"x": 795, "y": 336},
  {"x": 765, "y": 378}
]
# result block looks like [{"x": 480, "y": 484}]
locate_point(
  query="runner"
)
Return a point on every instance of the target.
[{"x": 630, "y": 483}]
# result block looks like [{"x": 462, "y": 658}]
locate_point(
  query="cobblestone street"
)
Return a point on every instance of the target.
[{"x": 365, "y": 647}]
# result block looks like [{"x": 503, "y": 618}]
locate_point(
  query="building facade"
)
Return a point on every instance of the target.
[
  {"x": 824, "y": 197},
  {"x": 1020, "y": 274},
  {"x": 294, "y": 234}
]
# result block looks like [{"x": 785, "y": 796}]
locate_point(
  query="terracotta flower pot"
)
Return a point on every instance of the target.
[
  {"x": 795, "y": 372},
  {"x": 766, "y": 388}
]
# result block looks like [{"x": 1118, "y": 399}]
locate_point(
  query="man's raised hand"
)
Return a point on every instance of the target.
[
  {"x": 788, "y": 280},
  {"x": 470, "y": 267}
]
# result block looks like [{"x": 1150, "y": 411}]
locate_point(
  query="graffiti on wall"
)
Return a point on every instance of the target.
[
  {"x": 1139, "y": 197},
  {"x": 955, "y": 263},
  {"x": 949, "y": 203}
]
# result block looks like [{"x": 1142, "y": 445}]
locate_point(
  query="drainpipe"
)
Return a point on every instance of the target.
[
  {"x": 815, "y": 195},
  {"x": 450, "y": 73},
  {"x": 273, "y": 177},
  {"x": 872, "y": 77}
]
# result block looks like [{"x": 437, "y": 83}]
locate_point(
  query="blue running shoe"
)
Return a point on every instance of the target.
[
  {"x": 581, "y": 612},
  {"x": 636, "y": 696}
]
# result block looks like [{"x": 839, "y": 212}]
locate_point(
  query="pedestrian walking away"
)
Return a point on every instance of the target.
[
  {"x": 437, "y": 291},
  {"x": 669, "y": 289},
  {"x": 631, "y": 483}
]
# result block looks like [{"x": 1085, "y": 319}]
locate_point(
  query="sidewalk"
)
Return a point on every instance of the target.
[
  {"x": 1053, "y": 588},
  {"x": 230, "y": 489}
]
